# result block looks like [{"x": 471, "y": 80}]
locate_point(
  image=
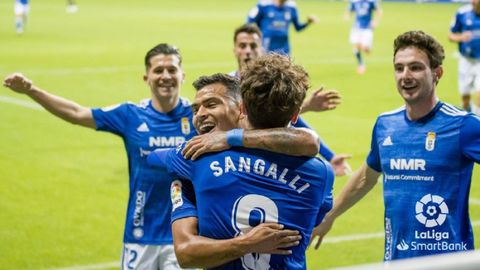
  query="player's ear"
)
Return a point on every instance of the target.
[
  {"x": 438, "y": 73},
  {"x": 295, "y": 116},
  {"x": 242, "y": 115},
  {"x": 145, "y": 77}
]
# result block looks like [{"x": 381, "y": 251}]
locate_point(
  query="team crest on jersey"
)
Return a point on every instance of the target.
[
  {"x": 176, "y": 194},
  {"x": 288, "y": 16},
  {"x": 430, "y": 141},
  {"x": 185, "y": 126}
]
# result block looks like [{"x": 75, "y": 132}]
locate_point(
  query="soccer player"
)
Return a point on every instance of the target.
[
  {"x": 71, "y": 6},
  {"x": 465, "y": 30},
  {"x": 361, "y": 34},
  {"x": 273, "y": 17},
  {"x": 21, "y": 9},
  {"x": 426, "y": 151},
  {"x": 163, "y": 121},
  {"x": 239, "y": 188},
  {"x": 247, "y": 47}
]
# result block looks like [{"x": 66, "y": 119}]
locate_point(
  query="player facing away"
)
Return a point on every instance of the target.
[
  {"x": 162, "y": 121},
  {"x": 361, "y": 33},
  {"x": 426, "y": 151},
  {"x": 240, "y": 188},
  {"x": 21, "y": 9},
  {"x": 465, "y": 30},
  {"x": 247, "y": 47},
  {"x": 273, "y": 17}
]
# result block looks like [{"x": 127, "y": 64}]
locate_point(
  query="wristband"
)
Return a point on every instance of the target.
[{"x": 235, "y": 137}]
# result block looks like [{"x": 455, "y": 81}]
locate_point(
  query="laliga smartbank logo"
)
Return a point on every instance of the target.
[{"x": 431, "y": 210}]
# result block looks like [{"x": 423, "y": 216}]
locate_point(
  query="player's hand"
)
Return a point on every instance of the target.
[
  {"x": 320, "y": 231},
  {"x": 206, "y": 143},
  {"x": 340, "y": 164},
  {"x": 271, "y": 238},
  {"x": 312, "y": 19},
  {"x": 466, "y": 36},
  {"x": 322, "y": 100},
  {"x": 18, "y": 83}
]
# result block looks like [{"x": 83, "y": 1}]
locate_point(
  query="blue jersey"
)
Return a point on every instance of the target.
[
  {"x": 363, "y": 10},
  {"x": 240, "y": 188},
  {"x": 427, "y": 169},
  {"x": 144, "y": 129},
  {"x": 274, "y": 23},
  {"x": 467, "y": 20},
  {"x": 23, "y": 2}
]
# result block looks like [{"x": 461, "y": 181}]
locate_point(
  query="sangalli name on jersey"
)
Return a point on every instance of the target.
[{"x": 260, "y": 167}]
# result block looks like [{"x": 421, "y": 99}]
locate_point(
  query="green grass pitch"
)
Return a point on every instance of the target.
[{"x": 63, "y": 189}]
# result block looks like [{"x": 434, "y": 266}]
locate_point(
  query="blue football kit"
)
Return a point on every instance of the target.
[
  {"x": 427, "y": 169},
  {"x": 363, "y": 10},
  {"x": 237, "y": 189},
  {"x": 274, "y": 22},
  {"x": 144, "y": 129},
  {"x": 467, "y": 20}
]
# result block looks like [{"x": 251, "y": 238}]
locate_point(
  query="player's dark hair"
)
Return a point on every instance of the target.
[
  {"x": 273, "y": 89},
  {"x": 423, "y": 42},
  {"x": 162, "y": 48},
  {"x": 231, "y": 83},
  {"x": 247, "y": 28}
]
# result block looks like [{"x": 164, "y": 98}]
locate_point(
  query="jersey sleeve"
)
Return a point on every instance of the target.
[
  {"x": 255, "y": 15},
  {"x": 324, "y": 151},
  {"x": 184, "y": 203},
  {"x": 470, "y": 137},
  {"x": 373, "y": 158},
  {"x": 455, "y": 25},
  {"x": 327, "y": 203},
  {"x": 112, "y": 119},
  {"x": 296, "y": 22},
  {"x": 173, "y": 161}
]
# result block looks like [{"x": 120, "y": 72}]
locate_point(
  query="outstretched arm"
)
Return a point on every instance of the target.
[
  {"x": 193, "y": 250},
  {"x": 60, "y": 107},
  {"x": 357, "y": 187},
  {"x": 290, "y": 141}
]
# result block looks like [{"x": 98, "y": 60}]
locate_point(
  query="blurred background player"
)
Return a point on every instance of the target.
[
  {"x": 465, "y": 30},
  {"x": 361, "y": 34},
  {"x": 273, "y": 17},
  {"x": 21, "y": 10},
  {"x": 71, "y": 6},
  {"x": 425, "y": 151},
  {"x": 247, "y": 47}
]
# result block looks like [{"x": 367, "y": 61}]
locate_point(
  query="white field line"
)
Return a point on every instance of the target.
[
  {"x": 328, "y": 240},
  {"x": 21, "y": 102}
]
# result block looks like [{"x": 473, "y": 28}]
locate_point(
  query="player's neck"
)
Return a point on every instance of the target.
[
  {"x": 165, "y": 105},
  {"x": 420, "y": 109}
]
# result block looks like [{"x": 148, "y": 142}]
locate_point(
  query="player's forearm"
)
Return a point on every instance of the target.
[
  {"x": 62, "y": 108},
  {"x": 356, "y": 188},
  {"x": 290, "y": 141},
  {"x": 456, "y": 37},
  {"x": 206, "y": 253}
]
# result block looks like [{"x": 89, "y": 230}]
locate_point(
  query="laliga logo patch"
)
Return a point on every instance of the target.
[
  {"x": 431, "y": 210},
  {"x": 176, "y": 194},
  {"x": 185, "y": 126},
  {"x": 287, "y": 16},
  {"x": 430, "y": 141}
]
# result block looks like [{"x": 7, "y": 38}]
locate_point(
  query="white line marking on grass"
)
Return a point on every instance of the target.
[
  {"x": 21, "y": 102},
  {"x": 90, "y": 266}
]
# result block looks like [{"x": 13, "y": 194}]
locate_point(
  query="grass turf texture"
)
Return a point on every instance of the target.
[{"x": 63, "y": 189}]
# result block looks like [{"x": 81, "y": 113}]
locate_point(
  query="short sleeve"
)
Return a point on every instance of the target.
[
  {"x": 184, "y": 203},
  {"x": 373, "y": 158},
  {"x": 112, "y": 119}
]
